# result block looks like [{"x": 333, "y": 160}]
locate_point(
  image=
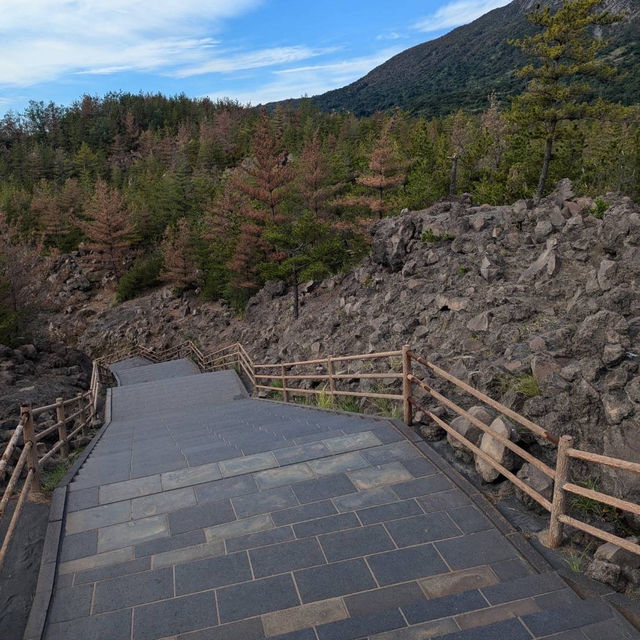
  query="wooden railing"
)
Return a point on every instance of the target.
[
  {"x": 78, "y": 411},
  {"x": 327, "y": 377},
  {"x": 561, "y": 475}
]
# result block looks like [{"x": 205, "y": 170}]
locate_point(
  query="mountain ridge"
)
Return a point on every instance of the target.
[{"x": 461, "y": 68}]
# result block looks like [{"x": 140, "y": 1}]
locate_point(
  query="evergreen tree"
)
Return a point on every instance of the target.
[
  {"x": 177, "y": 252},
  {"x": 304, "y": 249},
  {"x": 261, "y": 181},
  {"x": 107, "y": 227},
  {"x": 314, "y": 178},
  {"x": 559, "y": 88},
  {"x": 387, "y": 171},
  {"x": 21, "y": 280}
]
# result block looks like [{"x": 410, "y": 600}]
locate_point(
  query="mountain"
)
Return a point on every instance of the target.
[{"x": 460, "y": 69}]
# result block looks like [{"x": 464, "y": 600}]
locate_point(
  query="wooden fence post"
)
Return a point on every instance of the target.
[
  {"x": 62, "y": 427},
  {"x": 406, "y": 386},
  {"x": 95, "y": 392},
  {"x": 554, "y": 537},
  {"x": 82, "y": 416},
  {"x": 332, "y": 382},
  {"x": 285, "y": 393},
  {"x": 29, "y": 435}
]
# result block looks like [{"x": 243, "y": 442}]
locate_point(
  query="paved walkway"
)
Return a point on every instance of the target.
[{"x": 203, "y": 514}]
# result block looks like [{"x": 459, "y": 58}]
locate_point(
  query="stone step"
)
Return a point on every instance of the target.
[
  {"x": 586, "y": 615},
  {"x": 483, "y": 608}
]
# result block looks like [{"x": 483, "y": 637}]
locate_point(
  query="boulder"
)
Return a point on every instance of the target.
[
  {"x": 614, "y": 554},
  {"x": 543, "y": 366},
  {"x": 496, "y": 450},
  {"x": 479, "y": 322},
  {"x": 612, "y": 354},
  {"x": 489, "y": 270},
  {"x": 606, "y": 273},
  {"x": 606, "y": 572},
  {"x": 471, "y": 432},
  {"x": 537, "y": 480},
  {"x": 546, "y": 261},
  {"x": 616, "y": 407}
]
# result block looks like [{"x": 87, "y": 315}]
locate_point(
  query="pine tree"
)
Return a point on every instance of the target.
[
  {"x": 267, "y": 171},
  {"x": 177, "y": 252},
  {"x": 107, "y": 227},
  {"x": 21, "y": 280},
  {"x": 459, "y": 138},
  {"x": 315, "y": 178},
  {"x": 304, "y": 249},
  {"x": 559, "y": 88},
  {"x": 262, "y": 182},
  {"x": 387, "y": 171},
  {"x": 496, "y": 128}
]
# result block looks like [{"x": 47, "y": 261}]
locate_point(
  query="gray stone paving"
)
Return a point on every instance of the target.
[{"x": 203, "y": 514}]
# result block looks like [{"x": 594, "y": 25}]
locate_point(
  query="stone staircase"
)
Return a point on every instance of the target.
[{"x": 203, "y": 514}]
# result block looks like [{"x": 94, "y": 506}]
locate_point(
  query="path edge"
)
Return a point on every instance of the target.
[{"x": 39, "y": 611}]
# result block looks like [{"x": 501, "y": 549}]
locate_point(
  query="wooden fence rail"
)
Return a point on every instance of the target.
[
  {"x": 83, "y": 408},
  {"x": 324, "y": 379}
]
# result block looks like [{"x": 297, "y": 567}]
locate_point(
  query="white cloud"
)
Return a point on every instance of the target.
[
  {"x": 252, "y": 60},
  {"x": 40, "y": 40},
  {"x": 393, "y": 35},
  {"x": 310, "y": 80},
  {"x": 456, "y": 13}
]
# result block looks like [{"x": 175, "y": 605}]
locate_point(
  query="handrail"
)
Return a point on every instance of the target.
[
  {"x": 235, "y": 354},
  {"x": 532, "y": 426},
  {"x": 87, "y": 406}
]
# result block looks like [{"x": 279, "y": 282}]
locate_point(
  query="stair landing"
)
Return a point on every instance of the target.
[{"x": 203, "y": 514}]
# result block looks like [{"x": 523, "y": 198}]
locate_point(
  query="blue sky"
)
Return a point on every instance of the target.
[{"x": 254, "y": 51}]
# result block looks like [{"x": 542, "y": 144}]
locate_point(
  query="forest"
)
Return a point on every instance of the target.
[{"x": 220, "y": 198}]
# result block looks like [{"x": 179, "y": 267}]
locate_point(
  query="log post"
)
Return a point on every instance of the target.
[
  {"x": 332, "y": 382},
  {"x": 83, "y": 416},
  {"x": 554, "y": 537},
  {"x": 406, "y": 386},
  {"x": 62, "y": 427},
  {"x": 285, "y": 393},
  {"x": 95, "y": 394},
  {"x": 29, "y": 435}
]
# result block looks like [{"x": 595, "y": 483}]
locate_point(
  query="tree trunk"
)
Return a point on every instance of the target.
[
  {"x": 296, "y": 311},
  {"x": 545, "y": 169},
  {"x": 453, "y": 183}
]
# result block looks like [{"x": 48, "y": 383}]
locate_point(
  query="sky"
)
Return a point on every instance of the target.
[{"x": 253, "y": 51}]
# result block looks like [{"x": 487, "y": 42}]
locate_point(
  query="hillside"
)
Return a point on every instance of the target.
[
  {"x": 462, "y": 67},
  {"x": 499, "y": 296}
]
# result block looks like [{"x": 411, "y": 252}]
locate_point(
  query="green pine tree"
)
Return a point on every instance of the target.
[
  {"x": 559, "y": 89},
  {"x": 304, "y": 249}
]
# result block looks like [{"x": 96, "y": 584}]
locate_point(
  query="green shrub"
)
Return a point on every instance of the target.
[
  {"x": 429, "y": 236},
  {"x": 144, "y": 274},
  {"x": 599, "y": 208},
  {"x": 325, "y": 400},
  {"x": 528, "y": 386},
  {"x": 349, "y": 403}
]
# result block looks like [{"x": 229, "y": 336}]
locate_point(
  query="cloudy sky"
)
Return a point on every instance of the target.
[{"x": 254, "y": 51}]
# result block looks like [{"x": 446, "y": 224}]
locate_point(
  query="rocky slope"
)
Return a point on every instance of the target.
[
  {"x": 538, "y": 306},
  {"x": 37, "y": 374}
]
